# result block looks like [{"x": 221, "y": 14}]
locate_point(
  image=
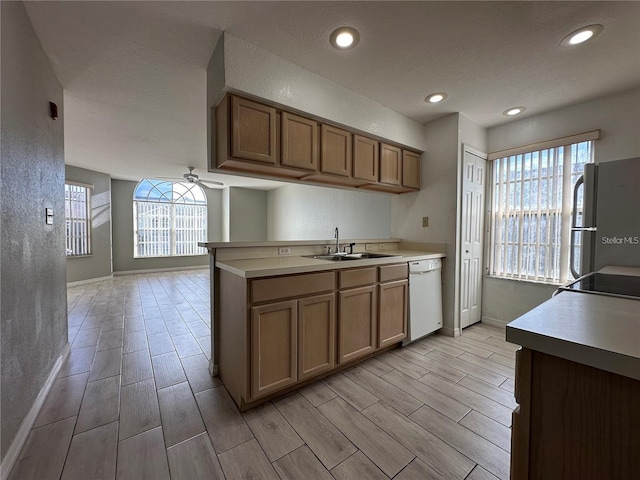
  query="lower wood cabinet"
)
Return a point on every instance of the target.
[
  {"x": 274, "y": 347},
  {"x": 316, "y": 335},
  {"x": 573, "y": 421},
  {"x": 275, "y": 332},
  {"x": 392, "y": 319},
  {"x": 357, "y": 323}
]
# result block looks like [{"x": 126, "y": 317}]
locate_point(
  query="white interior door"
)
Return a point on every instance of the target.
[{"x": 473, "y": 187}]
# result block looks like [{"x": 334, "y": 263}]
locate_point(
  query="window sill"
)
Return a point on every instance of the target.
[
  {"x": 173, "y": 256},
  {"x": 524, "y": 280},
  {"x": 79, "y": 256}
]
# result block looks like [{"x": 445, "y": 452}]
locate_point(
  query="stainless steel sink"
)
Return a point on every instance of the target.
[{"x": 350, "y": 256}]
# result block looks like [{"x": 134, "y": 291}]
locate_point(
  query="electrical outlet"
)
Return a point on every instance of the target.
[
  {"x": 284, "y": 250},
  {"x": 369, "y": 247},
  {"x": 425, "y": 221}
]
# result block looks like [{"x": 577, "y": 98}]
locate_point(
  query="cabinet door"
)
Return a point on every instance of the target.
[
  {"x": 274, "y": 347},
  {"x": 335, "y": 151},
  {"x": 299, "y": 142},
  {"x": 390, "y": 164},
  {"x": 410, "y": 169},
  {"x": 392, "y": 317},
  {"x": 366, "y": 158},
  {"x": 253, "y": 131},
  {"x": 316, "y": 335},
  {"x": 357, "y": 323}
]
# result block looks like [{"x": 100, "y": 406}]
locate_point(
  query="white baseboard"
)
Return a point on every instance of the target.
[
  {"x": 494, "y": 322},
  {"x": 159, "y": 270},
  {"x": 89, "y": 280},
  {"x": 25, "y": 427}
]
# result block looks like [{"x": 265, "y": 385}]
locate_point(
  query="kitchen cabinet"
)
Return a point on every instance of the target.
[
  {"x": 390, "y": 164},
  {"x": 274, "y": 347},
  {"x": 393, "y": 293},
  {"x": 264, "y": 140},
  {"x": 335, "y": 151},
  {"x": 299, "y": 142},
  {"x": 366, "y": 158},
  {"x": 278, "y": 332},
  {"x": 316, "y": 335},
  {"x": 573, "y": 420},
  {"x": 410, "y": 169},
  {"x": 254, "y": 131},
  {"x": 357, "y": 323},
  {"x": 357, "y": 315}
]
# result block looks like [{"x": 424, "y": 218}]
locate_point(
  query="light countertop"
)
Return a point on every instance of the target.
[
  {"x": 595, "y": 330},
  {"x": 286, "y": 265}
]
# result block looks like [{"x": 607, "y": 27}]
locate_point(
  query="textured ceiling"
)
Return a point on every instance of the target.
[{"x": 134, "y": 72}]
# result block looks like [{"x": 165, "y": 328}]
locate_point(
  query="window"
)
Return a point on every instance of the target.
[
  {"x": 169, "y": 219},
  {"x": 531, "y": 211},
  {"x": 77, "y": 213}
]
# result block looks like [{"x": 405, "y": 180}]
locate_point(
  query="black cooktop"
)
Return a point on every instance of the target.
[{"x": 605, "y": 284}]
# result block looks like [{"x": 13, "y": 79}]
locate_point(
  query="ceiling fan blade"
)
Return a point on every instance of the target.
[
  {"x": 176, "y": 179},
  {"x": 212, "y": 182}
]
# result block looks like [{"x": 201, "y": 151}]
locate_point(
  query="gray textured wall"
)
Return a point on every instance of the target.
[
  {"x": 32, "y": 283},
  {"x": 98, "y": 264},
  {"x": 122, "y": 226}
]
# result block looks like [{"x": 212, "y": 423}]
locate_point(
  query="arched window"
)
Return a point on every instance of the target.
[{"x": 169, "y": 219}]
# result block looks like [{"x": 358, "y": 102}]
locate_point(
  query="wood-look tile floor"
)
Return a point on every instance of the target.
[{"x": 134, "y": 400}]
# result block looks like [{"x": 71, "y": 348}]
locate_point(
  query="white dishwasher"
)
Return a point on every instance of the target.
[{"x": 425, "y": 298}]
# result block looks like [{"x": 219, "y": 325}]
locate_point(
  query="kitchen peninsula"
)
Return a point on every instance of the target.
[
  {"x": 282, "y": 319},
  {"x": 578, "y": 388}
]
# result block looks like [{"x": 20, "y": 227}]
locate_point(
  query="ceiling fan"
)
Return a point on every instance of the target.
[{"x": 193, "y": 178}]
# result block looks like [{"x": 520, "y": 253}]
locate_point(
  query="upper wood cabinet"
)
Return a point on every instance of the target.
[
  {"x": 274, "y": 347},
  {"x": 366, "y": 158},
  {"x": 335, "y": 151},
  {"x": 410, "y": 169},
  {"x": 254, "y": 131},
  {"x": 263, "y": 140},
  {"x": 299, "y": 142},
  {"x": 390, "y": 164}
]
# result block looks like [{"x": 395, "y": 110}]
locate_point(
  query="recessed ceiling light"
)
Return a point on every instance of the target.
[
  {"x": 581, "y": 35},
  {"x": 344, "y": 38},
  {"x": 513, "y": 111},
  {"x": 436, "y": 97}
]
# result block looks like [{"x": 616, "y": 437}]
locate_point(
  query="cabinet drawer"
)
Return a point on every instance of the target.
[
  {"x": 394, "y": 272},
  {"x": 276, "y": 288},
  {"x": 357, "y": 277}
]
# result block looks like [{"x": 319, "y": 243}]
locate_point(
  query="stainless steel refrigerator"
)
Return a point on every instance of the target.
[{"x": 606, "y": 217}]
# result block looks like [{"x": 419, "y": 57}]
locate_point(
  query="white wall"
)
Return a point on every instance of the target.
[
  {"x": 437, "y": 200},
  {"x": 250, "y": 69},
  {"x": 247, "y": 214},
  {"x": 618, "y": 118},
  {"x": 301, "y": 212}
]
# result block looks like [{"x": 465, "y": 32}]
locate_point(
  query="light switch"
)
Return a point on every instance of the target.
[
  {"x": 49, "y": 216},
  {"x": 425, "y": 221}
]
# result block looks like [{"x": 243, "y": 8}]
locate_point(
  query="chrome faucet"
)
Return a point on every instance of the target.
[{"x": 336, "y": 237}]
